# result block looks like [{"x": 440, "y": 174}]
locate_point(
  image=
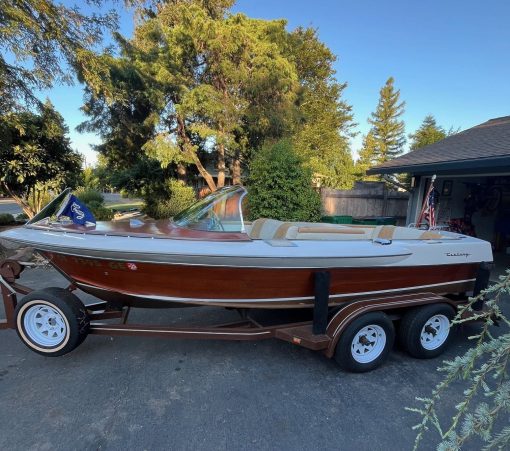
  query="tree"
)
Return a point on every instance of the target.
[
  {"x": 387, "y": 129},
  {"x": 178, "y": 196},
  {"x": 89, "y": 179},
  {"x": 98, "y": 177},
  {"x": 325, "y": 121},
  {"x": 35, "y": 37},
  {"x": 281, "y": 186},
  {"x": 36, "y": 157},
  {"x": 125, "y": 121},
  {"x": 212, "y": 70},
  {"x": 428, "y": 133},
  {"x": 218, "y": 85},
  {"x": 368, "y": 157},
  {"x": 483, "y": 407}
]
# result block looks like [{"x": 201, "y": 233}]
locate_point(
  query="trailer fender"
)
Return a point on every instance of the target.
[{"x": 351, "y": 311}]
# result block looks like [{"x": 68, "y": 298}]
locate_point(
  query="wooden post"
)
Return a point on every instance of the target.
[{"x": 385, "y": 201}]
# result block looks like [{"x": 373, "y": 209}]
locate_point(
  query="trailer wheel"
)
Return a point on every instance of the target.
[
  {"x": 52, "y": 321},
  {"x": 365, "y": 343},
  {"x": 425, "y": 332}
]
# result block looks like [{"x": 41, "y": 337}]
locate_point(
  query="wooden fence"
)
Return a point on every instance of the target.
[{"x": 366, "y": 199}]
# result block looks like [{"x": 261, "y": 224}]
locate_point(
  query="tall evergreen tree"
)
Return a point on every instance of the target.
[
  {"x": 368, "y": 157},
  {"x": 428, "y": 133},
  {"x": 387, "y": 128}
]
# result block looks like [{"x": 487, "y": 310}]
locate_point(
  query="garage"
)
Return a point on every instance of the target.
[{"x": 472, "y": 183}]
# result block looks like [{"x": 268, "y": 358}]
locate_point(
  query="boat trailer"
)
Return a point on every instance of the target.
[{"x": 323, "y": 332}]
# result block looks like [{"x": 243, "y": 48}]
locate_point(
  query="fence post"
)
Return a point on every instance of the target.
[{"x": 385, "y": 201}]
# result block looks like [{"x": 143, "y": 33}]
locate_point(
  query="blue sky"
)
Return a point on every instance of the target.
[{"x": 449, "y": 58}]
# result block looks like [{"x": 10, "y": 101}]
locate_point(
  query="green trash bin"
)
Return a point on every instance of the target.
[
  {"x": 387, "y": 220},
  {"x": 375, "y": 220},
  {"x": 364, "y": 221},
  {"x": 337, "y": 219}
]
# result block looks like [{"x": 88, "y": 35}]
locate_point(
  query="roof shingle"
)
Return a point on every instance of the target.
[{"x": 488, "y": 140}]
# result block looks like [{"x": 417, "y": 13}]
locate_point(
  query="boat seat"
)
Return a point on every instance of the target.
[
  {"x": 389, "y": 232},
  {"x": 328, "y": 232},
  {"x": 272, "y": 229},
  {"x": 264, "y": 229}
]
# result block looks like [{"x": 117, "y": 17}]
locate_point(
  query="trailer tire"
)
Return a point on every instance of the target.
[
  {"x": 51, "y": 321},
  {"x": 365, "y": 343},
  {"x": 424, "y": 332}
]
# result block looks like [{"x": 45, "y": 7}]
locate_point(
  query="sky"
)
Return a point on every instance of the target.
[{"x": 449, "y": 58}]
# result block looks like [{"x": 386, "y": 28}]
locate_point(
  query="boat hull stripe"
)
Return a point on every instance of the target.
[{"x": 269, "y": 300}]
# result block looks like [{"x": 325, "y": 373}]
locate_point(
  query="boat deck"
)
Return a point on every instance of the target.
[{"x": 261, "y": 229}]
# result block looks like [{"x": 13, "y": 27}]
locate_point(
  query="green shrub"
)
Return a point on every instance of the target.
[
  {"x": 173, "y": 199},
  {"x": 89, "y": 197},
  {"x": 101, "y": 213},
  {"x": 22, "y": 217},
  {"x": 6, "y": 219},
  {"x": 281, "y": 186},
  {"x": 94, "y": 204}
]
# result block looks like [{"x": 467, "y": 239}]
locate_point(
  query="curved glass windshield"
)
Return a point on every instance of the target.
[
  {"x": 220, "y": 211},
  {"x": 51, "y": 210}
]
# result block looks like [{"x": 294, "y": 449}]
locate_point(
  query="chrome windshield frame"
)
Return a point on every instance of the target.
[{"x": 240, "y": 206}]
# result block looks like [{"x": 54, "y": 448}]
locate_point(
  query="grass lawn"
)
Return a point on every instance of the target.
[{"x": 124, "y": 207}]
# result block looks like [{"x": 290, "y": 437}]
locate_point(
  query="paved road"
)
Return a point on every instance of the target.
[
  {"x": 128, "y": 393},
  {"x": 9, "y": 206},
  {"x": 116, "y": 198}
]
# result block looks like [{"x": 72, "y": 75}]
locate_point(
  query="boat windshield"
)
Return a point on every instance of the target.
[
  {"x": 220, "y": 211},
  {"x": 50, "y": 210}
]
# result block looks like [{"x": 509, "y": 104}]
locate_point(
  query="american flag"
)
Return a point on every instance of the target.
[
  {"x": 430, "y": 214},
  {"x": 428, "y": 211}
]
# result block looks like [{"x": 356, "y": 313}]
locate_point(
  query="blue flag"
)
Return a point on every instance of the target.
[{"x": 77, "y": 211}]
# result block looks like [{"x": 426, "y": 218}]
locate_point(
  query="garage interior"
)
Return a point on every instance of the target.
[{"x": 472, "y": 185}]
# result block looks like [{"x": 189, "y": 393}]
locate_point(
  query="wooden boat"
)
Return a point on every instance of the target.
[{"x": 209, "y": 255}]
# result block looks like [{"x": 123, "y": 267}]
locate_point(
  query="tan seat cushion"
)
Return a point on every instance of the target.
[
  {"x": 328, "y": 232},
  {"x": 264, "y": 229},
  {"x": 388, "y": 232},
  {"x": 272, "y": 229}
]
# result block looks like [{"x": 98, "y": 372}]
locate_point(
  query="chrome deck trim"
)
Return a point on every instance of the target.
[{"x": 265, "y": 262}]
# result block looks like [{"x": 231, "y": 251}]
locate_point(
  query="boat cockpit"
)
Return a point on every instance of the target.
[{"x": 219, "y": 217}]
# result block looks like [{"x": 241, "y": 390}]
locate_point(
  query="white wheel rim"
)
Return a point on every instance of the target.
[
  {"x": 368, "y": 343},
  {"x": 45, "y": 325},
  {"x": 435, "y": 332}
]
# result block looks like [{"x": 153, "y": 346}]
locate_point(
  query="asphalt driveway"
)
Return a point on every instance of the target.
[{"x": 131, "y": 393}]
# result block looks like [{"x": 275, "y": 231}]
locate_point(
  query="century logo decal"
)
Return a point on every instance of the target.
[
  {"x": 457, "y": 254},
  {"x": 76, "y": 209}
]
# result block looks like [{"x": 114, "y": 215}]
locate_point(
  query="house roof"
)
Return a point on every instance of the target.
[{"x": 485, "y": 147}]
